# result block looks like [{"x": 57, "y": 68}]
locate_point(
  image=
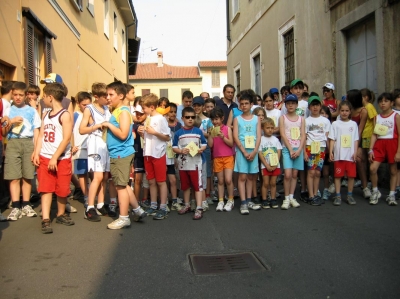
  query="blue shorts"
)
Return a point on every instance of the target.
[
  {"x": 207, "y": 155},
  {"x": 80, "y": 166},
  {"x": 242, "y": 165},
  {"x": 289, "y": 163}
]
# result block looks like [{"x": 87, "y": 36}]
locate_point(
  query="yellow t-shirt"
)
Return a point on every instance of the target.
[{"x": 369, "y": 125}]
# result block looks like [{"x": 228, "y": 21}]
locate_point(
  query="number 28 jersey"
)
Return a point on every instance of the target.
[{"x": 53, "y": 135}]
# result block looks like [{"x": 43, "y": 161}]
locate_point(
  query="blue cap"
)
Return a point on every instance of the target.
[
  {"x": 291, "y": 98},
  {"x": 198, "y": 100},
  {"x": 274, "y": 90}
]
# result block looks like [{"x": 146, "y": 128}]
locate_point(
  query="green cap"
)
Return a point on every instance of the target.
[
  {"x": 314, "y": 99},
  {"x": 296, "y": 81}
]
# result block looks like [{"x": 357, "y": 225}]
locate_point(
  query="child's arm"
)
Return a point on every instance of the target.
[
  {"x": 284, "y": 139},
  {"x": 86, "y": 118},
  {"x": 150, "y": 130},
  {"x": 302, "y": 138},
  {"x": 229, "y": 141},
  {"x": 236, "y": 137},
  {"x": 203, "y": 143},
  {"x": 397, "y": 156},
  {"x": 14, "y": 121},
  {"x": 371, "y": 156},
  {"x": 66, "y": 121},
  {"x": 38, "y": 146},
  {"x": 263, "y": 160},
  {"x": 258, "y": 141},
  {"x": 331, "y": 145},
  {"x": 124, "y": 125},
  {"x": 210, "y": 141},
  {"x": 336, "y": 113},
  {"x": 229, "y": 123}
]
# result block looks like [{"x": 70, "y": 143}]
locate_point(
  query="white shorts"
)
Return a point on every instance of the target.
[{"x": 98, "y": 156}]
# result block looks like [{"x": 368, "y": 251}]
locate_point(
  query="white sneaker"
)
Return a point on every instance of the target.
[
  {"x": 205, "y": 206},
  {"x": 253, "y": 206},
  {"x": 69, "y": 208},
  {"x": 391, "y": 200},
  {"x": 179, "y": 200},
  {"x": 193, "y": 205},
  {"x": 28, "y": 211},
  {"x": 357, "y": 183},
  {"x": 244, "y": 210},
  {"x": 15, "y": 214},
  {"x": 294, "y": 203},
  {"x": 139, "y": 215},
  {"x": 332, "y": 189},
  {"x": 2, "y": 218},
  {"x": 119, "y": 223},
  {"x": 176, "y": 206},
  {"x": 344, "y": 183},
  {"x": 220, "y": 206},
  {"x": 229, "y": 206},
  {"x": 167, "y": 208},
  {"x": 285, "y": 204},
  {"x": 367, "y": 192},
  {"x": 373, "y": 200},
  {"x": 209, "y": 201}
]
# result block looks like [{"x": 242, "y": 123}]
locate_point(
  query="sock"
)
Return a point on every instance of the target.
[
  {"x": 349, "y": 193},
  {"x": 153, "y": 205},
  {"x": 89, "y": 207},
  {"x": 230, "y": 198},
  {"x": 287, "y": 198},
  {"x": 136, "y": 211},
  {"x": 392, "y": 193},
  {"x": 124, "y": 217},
  {"x": 221, "y": 199},
  {"x": 163, "y": 206},
  {"x": 113, "y": 201},
  {"x": 16, "y": 204},
  {"x": 204, "y": 202},
  {"x": 174, "y": 200},
  {"x": 248, "y": 200},
  {"x": 338, "y": 194},
  {"x": 199, "y": 208},
  {"x": 100, "y": 205},
  {"x": 290, "y": 196},
  {"x": 264, "y": 200},
  {"x": 25, "y": 203},
  {"x": 326, "y": 189},
  {"x": 375, "y": 189},
  {"x": 187, "y": 204},
  {"x": 243, "y": 202}
]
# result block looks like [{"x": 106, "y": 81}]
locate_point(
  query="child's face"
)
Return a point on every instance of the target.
[
  {"x": 148, "y": 110},
  {"x": 397, "y": 102},
  {"x": 269, "y": 103},
  {"x": 47, "y": 100},
  {"x": 385, "y": 104},
  {"x": 188, "y": 119},
  {"x": 104, "y": 99},
  {"x": 198, "y": 108},
  {"x": 18, "y": 97},
  {"x": 344, "y": 112},
  {"x": 268, "y": 129},
  {"x": 130, "y": 96},
  {"x": 328, "y": 93},
  {"x": 323, "y": 113},
  {"x": 163, "y": 104},
  {"x": 261, "y": 116},
  {"x": 259, "y": 101},
  {"x": 112, "y": 98},
  {"x": 217, "y": 122},
  {"x": 140, "y": 117},
  {"x": 172, "y": 114},
  {"x": 315, "y": 109},
  {"x": 245, "y": 105},
  {"x": 208, "y": 107},
  {"x": 31, "y": 96},
  {"x": 187, "y": 102},
  {"x": 83, "y": 104},
  {"x": 291, "y": 106},
  {"x": 284, "y": 94},
  {"x": 297, "y": 90}
]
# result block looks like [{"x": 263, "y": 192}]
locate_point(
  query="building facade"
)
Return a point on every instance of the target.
[
  {"x": 84, "y": 41},
  {"x": 214, "y": 76}
]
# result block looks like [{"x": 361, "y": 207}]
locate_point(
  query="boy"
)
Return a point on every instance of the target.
[
  {"x": 247, "y": 137},
  {"x": 32, "y": 95},
  {"x": 317, "y": 130},
  {"x": 190, "y": 161},
  {"x": 22, "y": 132},
  {"x": 53, "y": 156},
  {"x": 120, "y": 147},
  {"x": 98, "y": 157},
  {"x": 130, "y": 96},
  {"x": 156, "y": 134},
  {"x": 385, "y": 146},
  {"x": 187, "y": 100}
]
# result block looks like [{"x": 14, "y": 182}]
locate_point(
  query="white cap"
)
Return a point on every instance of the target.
[
  {"x": 330, "y": 86},
  {"x": 139, "y": 109}
]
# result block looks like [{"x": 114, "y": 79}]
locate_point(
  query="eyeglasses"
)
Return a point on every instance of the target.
[{"x": 192, "y": 117}]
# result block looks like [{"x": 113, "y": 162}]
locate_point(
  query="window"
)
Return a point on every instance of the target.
[
  {"x": 106, "y": 19},
  {"x": 115, "y": 40},
  {"x": 123, "y": 51},
  {"x": 77, "y": 4},
  {"x": 184, "y": 89},
  {"x": 257, "y": 74},
  {"x": 90, "y": 7},
  {"x": 288, "y": 39},
  {"x": 235, "y": 8},
  {"x": 237, "y": 80},
  {"x": 164, "y": 93},
  {"x": 36, "y": 58},
  {"x": 145, "y": 91},
  {"x": 215, "y": 79}
]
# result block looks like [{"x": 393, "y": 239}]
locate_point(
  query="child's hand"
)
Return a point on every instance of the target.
[
  {"x": 35, "y": 159},
  {"x": 104, "y": 125},
  {"x": 371, "y": 156},
  {"x": 251, "y": 156},
  {"x": 306, "y": 157},
  {"x": 150, "y": 130},
  {"x": 52, "y": 164},
  {"x": 17, "y": 120},
  {"x": 359, "y": 154},
  {"x": 397, "y": 157},
  {"x": 331, "y": 157},
  {"x": 74, "y": 149},
  {"x": 200, "y": 151},
  {"x": 354, "y": 157},
  {"x": 221, "y": 135},
  {"x": 185, "y": 151},
  {"x": 140, "y": 129}
]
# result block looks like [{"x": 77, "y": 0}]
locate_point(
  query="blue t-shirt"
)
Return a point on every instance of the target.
[
  {"x": 31, "y": 121},
  {"x": 247, "y": 127}
]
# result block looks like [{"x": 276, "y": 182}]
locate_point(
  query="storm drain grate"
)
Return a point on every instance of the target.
[{"x": 206, "y": 264}]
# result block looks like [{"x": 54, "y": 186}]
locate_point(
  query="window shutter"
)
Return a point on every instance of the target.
[
  {"x": 47, "y": 54},
  {"x": 29, "y": 54}
]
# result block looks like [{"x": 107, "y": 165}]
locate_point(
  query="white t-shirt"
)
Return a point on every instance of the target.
[
  {"x": 270, "y": 145},
  {"x": 6, "y": 105},
  {"x": 153, "y": 146},
  {"x": 275, "y": 114},
  {"x": 302, "y": 109},
  {"x": 316, "y": 129},
  {"x": 338, "y": 132}
]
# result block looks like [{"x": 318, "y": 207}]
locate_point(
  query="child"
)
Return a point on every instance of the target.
[
  {"x": 317, "y": 130},
  {"x": 329, "y": 100},
  {"x": 272, "y": 112},
  {"x": 98, "y": 157},
  {"x": 269, "y": 153},
  {"x": 260, "y": 112},
  {"x": 120, "y": 147},
  {"x": 385, "y": 147},
  {"x": 53, "y": 156},
  {"x": 130, "y": 96},
  {"x": 328, "y": 189},
  {"x": 221, "y": 142},
  {"x": 156, "y": 134},
  {"x": 189, "y": 160},
  {"x": 293, "y": 137},
  {"x": 79, "y": 148},
  {"x": 343, "y": 144},
  {"x": 163, "y": 106},
  {"x": 32, "y": 95},
  {"x": 247, "y": 137},
  {"x": 209, "y": 104},
  {"x": 174, "y": 126},
  {"x": 22, "y": 132}
]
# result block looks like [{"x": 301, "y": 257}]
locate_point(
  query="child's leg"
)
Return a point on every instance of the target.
[
  {"x": 362, "y": 169},
  {"x": 393, "y": 177},
  {"x": 132, "y": 198},
  {"x": 272, "y": 186},
  {"x": 186, "y": 196},
  {"x": 113, "y": 192},
  {"x": 303, "y": 181},
  {"x": 208, "y": 189},
  {"x": 138, "y": 184},
  {"x": 15, "y": 192},
  {"x": 293, "y": 181},
  {"x": 199, "y": 199},
  {"x": 153, "y": 190},
  {"x": 102, "y": 189},
  {"x": 350, "y": 184},
  {"x": 251, "y": 179},
  {"x": 46, "y": 200},
  {"x": 337, "y": 185},
  {"x": 310, "y": 183},
  {"x": 26, "y": 190},
  {"x": 242, "y": 186},
  {"x": 221, "y": 186},
  {"x": 317, "y": 178},
  {"x": 83, "y": 182},
  {"x": 374, "y": 173},
  {"x": 325, "y": 173},
  {"x": 264, "y": 187},
  {"x": 228, "y": 182},
  {"x": 61, "y": 202},
  {"x": 163, "y": 192},
  {"x": 287, "y": 181},
  {"x": 123, "y": 200},
  {"x": 75, "y": 181},
  {"x": 172, "y": 185},
  {"x": 94, "y": 188}
]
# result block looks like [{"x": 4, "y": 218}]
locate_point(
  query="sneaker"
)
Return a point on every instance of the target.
[
  {"x": 46, "y": 226},
  {"x": 102, "y": 212},
  {"x": 373, "y": 200},
  {"x": 205, "y": 206},
  {"x": 294, "y": 203},
  {"x": 326, "y": 194},
  {"x": 244, "y": 210},
  {"x": 274, "y": 204},
  {"x": 337, "y": 201},
  {"x": 176, "y": 206},
  {"x": 15, "y": 214},
  {"x": 70, "y": 209},
  {"x": 229, "y": 206},
  {"x": 185, "y": 209},
  {"x": 256, "y": 200},
  {"x": 367, "y": 193},
  {"x": 65, "y": 219},
  {"x": 179, "y": 200},
  {"x": 278, "y": 195},
  {"x": 119, "y": 223},
  {"x": 139, "y": 216},
  {"x": 2, "y": 218},
  {"x": 253, "y": 206},
  {"x": 193, "y": 205},
  {"x": 351, "y": 200},
  {"x": 315, "y": 201},
  {"x": 304, "y": 196},
  {"x": 209, "y": 201},
  {"x": 220, "y": 206},
  {"x": 198, "y": 214},
  {"x": 92, "y": 215},
  {"x": 28, "y": 211},
  {"x": 344, "y": 183},
  {"x": 332, "y": 188},
  {"x": 357, "y": 183},
  {"x": 151, "y": 212},
  {"x": 145, "y": 204},
  {"x": 112, "y": 210},
  {"x": 391, "y": 200},
  {"x": 318, "y": 193},
  {"x": 160, "y": 215},
  {"x": 265, "y": 204},
  {"x": 285, "y": 204}
]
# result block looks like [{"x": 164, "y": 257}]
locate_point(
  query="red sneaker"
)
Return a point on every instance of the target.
[
  {"x": 198, "y": 214},
  {"x": 184, "y": 210}
]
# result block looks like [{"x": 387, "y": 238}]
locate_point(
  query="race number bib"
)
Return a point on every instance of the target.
[
  {"x": 345, "y": 141},
  {"x": 249, "y": 142},
  {"x": 295, "y": 133},
  {"x": 381, "y": 130},
  {"x": 315, "y": 147}
]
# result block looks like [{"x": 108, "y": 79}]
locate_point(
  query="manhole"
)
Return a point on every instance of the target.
[{"x": 206, "y": 264}]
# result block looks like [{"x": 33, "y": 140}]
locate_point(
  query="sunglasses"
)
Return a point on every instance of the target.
[{"x": 192, "y": 117}]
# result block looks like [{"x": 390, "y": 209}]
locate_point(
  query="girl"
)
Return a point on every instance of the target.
[
  {"x": 343, "y": 143},
  {"x": 271, "y": 112},
  {"x": 260, "y": 112},
  {"x": 330, "y": 101},
  {"x": 209, "y": 104},
  {"x": 163, "y": 106}
]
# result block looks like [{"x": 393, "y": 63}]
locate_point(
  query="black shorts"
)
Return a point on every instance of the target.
[
  {"x": 170, "y": 169},
  {"x": 326, "y": 160},
  {"x": 138, "y": 164}
]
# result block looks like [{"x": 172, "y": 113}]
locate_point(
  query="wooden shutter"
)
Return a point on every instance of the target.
[
  {"x": 145, "y": 91},
  {"x": 29, "y": 53},
  {"x": 47, "y": 55}
]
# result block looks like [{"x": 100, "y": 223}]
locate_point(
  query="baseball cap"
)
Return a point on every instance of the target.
[
  {"x": 295, "y": 82},
  {"x": 274, "y": 90},
  {"x": 198, "y": 100},
  {"x": 291, "y": 98},
  {"x": 52, "y": 78},
  {"x": 329, "y": 86},
  {"x": 314, "y": 99},
  {"x": 139, "y": 109}
]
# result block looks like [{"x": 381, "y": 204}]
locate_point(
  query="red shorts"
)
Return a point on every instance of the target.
[
  {"x": 156, "y": 168},
  {"x": 55, "y": 181},
  {"x": 344, "y": 168},
  {"x": 191, "y": 178},
  {"x": 385, "y": 150},
  {"x": 276, "y": 172}
]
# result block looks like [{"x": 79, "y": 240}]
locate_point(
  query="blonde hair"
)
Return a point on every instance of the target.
[
  {"x": 149, "y": 100},
  {"x": 267, "y": 121},
  {"x": 99, "y": 89},
  {"x": 258, "y": 109}
]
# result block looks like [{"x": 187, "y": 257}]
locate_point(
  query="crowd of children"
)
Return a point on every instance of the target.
[{"x": 145, "y": 152}]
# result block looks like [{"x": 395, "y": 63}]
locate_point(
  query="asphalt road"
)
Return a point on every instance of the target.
[{"x": 309, "y": 252}]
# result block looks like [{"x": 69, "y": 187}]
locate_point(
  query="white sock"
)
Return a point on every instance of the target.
[
  {"x": 290, "y": 196},
  {"x": 89, "y": 207},
  {"x": 124, "y": 217},
  {"x": 392, "y": 193},
  {"x": 100, "y": 205},
  {"x": 286, "y": 197},
  {"x": 375, "y": 189}
]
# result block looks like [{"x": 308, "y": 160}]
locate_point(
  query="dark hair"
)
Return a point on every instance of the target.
[
  {"x": 327, "y": 111},
  {"x": 387, "y": 96},
  {"x": 56, "y": 90},
  {"x": 33, "y": 89},
  {"x": 355, "y": 98},
  {"x": 306, "y": 85},
  {"x": 187, "y": 110},
  {"x": 209, "y": 100},
  {"x": 163, "y": 99},
  {"x": 217, "y": 112},
  {"x": 19, "y": 85},
  {"x": 268, "y": 95},
  {"x": 137, "y": 100},
  {"x": 82, "y": 95},
  {"x": 285, "y": 88},
  {"x": 229, "y": 86},
  {"x": 6, "y": 87},
  {"x": 299, "y": 84},
  {"x": 365, "y": 92},
  {"x": 244, "y": 95},
  {"x": 345, "y": 103},
  {"x": 187, "y": 94},
  {"x": 396, "y": 93},
  {"x": 313, "y": 93},
  {"x": 305, "y": 94},
  {"x": 258, "y": 97},
  {"x": 119, "y": 87},
  {"x": 128, "y": 87},
  {"x": 173, "y": 105}
]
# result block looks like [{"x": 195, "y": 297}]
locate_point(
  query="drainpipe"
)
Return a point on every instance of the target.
[{"x": 228, "y": 29}]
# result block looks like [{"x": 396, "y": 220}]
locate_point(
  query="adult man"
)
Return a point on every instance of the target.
[
  {"x": 226, "y": 103},
  {"x": 187, "y": 100},
  {"x": 205, "y": 95}
]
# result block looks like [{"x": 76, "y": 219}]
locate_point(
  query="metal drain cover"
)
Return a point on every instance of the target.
[{"x": 206, "y": 264}]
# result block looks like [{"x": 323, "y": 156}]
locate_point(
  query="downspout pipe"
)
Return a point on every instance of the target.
[{"x": 228, "y": 29}]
